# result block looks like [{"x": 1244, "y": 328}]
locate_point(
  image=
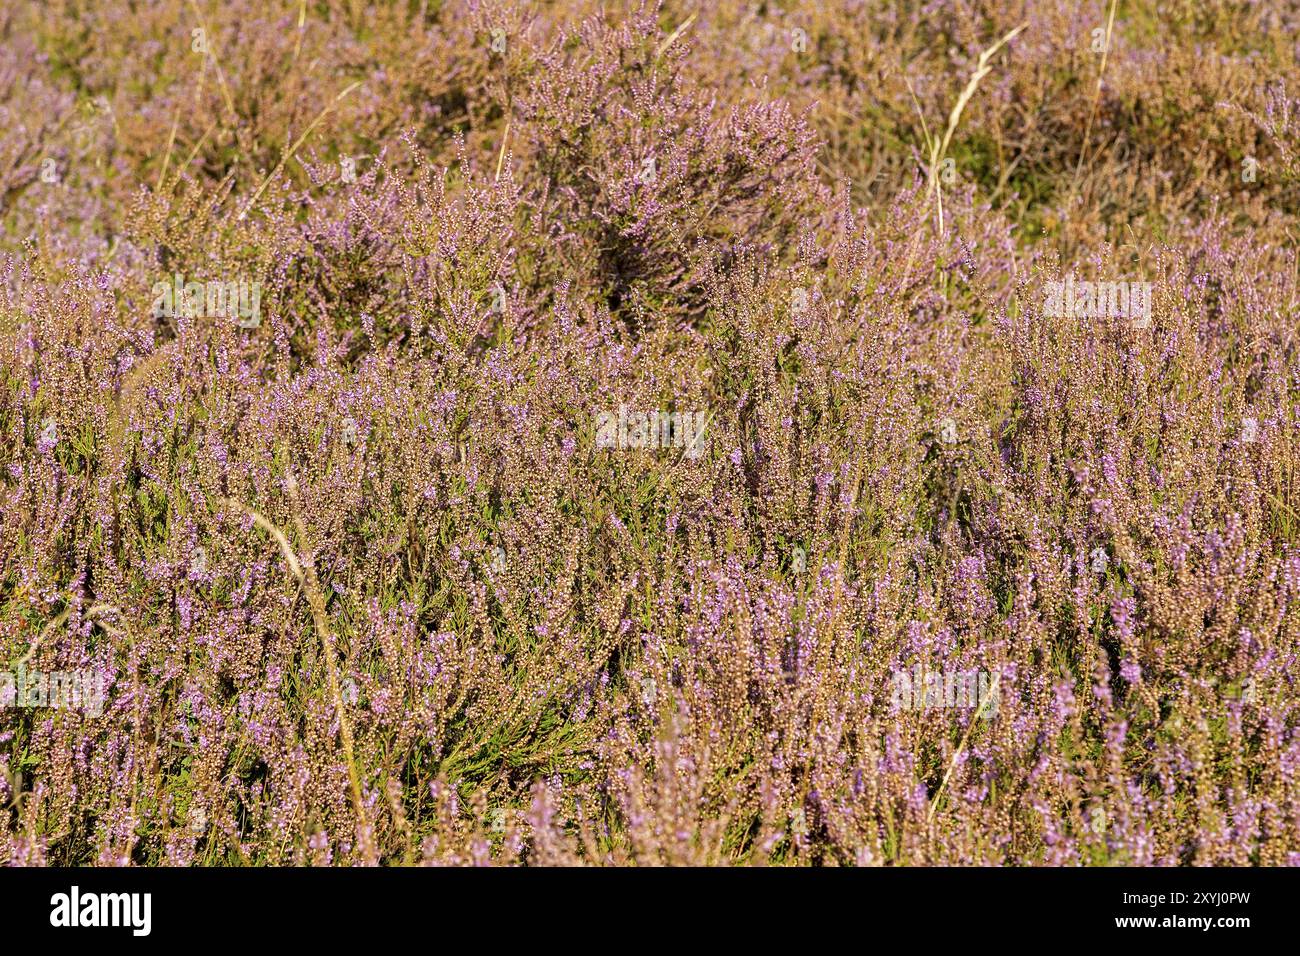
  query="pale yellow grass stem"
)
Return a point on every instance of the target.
[
  {"x": 939, "y": 148},
  {"x": 305, "y": 574},
  {"x": 952, "y": 765}
]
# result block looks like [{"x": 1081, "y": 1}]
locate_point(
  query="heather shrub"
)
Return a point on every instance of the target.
[
  {"x": 645, "y": 176},
  {"x": 1072, "y": 146},
  {"x": 498, "y": 433}
]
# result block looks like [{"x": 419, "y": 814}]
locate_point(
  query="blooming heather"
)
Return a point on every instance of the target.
[{"x": 498, "y": 432}]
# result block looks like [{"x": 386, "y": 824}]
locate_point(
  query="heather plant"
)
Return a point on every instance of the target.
[
  {"x": 667, "y": 436},
  {"x": 641, "y": 165}
]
